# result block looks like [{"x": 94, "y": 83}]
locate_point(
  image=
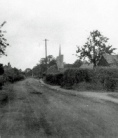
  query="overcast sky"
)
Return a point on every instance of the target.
[{"x": 65, "y": 22}]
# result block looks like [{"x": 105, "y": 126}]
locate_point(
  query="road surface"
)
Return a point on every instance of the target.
[{"x": 40, "y": 112}]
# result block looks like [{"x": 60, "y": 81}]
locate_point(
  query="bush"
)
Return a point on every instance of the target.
[
  {"x": 1, "y": 69},
  {"x": 18, "y": 78},
  {"x": 1, "y": 81},
  {"x": 106, "y": 78},
  {"x": 109, "y": 84},
  {"x": 74, "y": 76},
  {"x": 69, "y": 77},
  {"x": 7, "y": 94},
  {"x": 55, "y": 79}
]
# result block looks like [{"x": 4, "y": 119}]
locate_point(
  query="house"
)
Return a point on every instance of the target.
[{"x": 108, "y": 60}]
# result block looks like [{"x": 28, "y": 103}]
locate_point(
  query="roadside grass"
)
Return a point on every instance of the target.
[
  {"x": 59, "y": 115},
  {"x": 114, "y": 95},
  {"x": 86, "y": 86},
  {"x": 7, "y": 94},
  {"x": 66, "y": 122}
]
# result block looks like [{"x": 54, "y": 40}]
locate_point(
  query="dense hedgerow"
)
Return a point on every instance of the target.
[
  {"x": 106, "y": 77},
  {"x": 72, "y": 76},
  {"x": 12, "y": 78},
  {"x": 69, "y": 77},
  {"x": 18, "y": 78},
  {"x": 55, "y": 79}
]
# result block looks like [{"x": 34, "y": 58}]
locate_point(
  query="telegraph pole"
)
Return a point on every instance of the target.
[{"x": 46, "y": 53}]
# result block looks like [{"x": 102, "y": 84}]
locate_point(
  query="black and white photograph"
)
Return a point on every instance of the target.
[{"x": 58, "y": 68}]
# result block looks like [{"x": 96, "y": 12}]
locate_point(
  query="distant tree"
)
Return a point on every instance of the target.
[
  {"x": 36, "y": 70},
  {"x": 50, "y": 61},
  {"x": 77, "y": 63},
  {"x": 42, "y": 61},
  {"x": 3, "y": 41},
  {"x": 28, "y": 72},
  {"x": 40, "y": 68},
  {"x": 95, "y": 47},
  {"x": 67, "y": 65},
  {"x": 16, "y": 71},
  {"x": 1, "y": 69},
  {"x": 49, "y": 58}
]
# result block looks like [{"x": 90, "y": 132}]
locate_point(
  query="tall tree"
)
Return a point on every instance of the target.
[
  {"x": 3, "y": 41},
  {"x": 42, "y": 61},
  {"x": 50, "y": 60},
  {"x": 40, "y": 68},
  {"x": 95, "y": 47}
]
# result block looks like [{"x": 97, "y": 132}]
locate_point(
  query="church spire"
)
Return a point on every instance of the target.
[{"x": 59, "y": 50}]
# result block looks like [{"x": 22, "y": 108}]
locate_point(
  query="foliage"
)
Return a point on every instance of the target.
[
  {"x": 1, "y": 69},
  {"x": 67, "y": 65},
  {"x": 72, "y": 76},
  {"x": 36, "y": 70},
  {"x": 1, "y": 77},
  {"x": 108, "y": 77},
  {"x": 3, "y": 41},
  {"x": 104, "y": 78},
  {"x": 77, "y": 63},
  {"x": 13, "y": 75},
  {"x": 28, "y": 72},
  {"x": 52, "y": 63},
  {"x": 53, "y": 69},
  {"x": 54, "y": 79},
  {"x": 69, "y": 77},
  {"x": 40, "y": 68},
  {"x": 110, "y": 84},
  {"x": 50, "y": 60},
  {"x": 8, "y": 94},
  {"x": 95, "y": 47}
]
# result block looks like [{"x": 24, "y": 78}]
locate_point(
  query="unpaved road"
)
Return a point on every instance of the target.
[{"x": 40, "y": 112}]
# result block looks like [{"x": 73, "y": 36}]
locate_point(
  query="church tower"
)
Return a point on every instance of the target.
[{"x": 59, "y": 60}]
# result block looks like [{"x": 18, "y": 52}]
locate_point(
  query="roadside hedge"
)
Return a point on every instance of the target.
[
  {"x": 107, "y": 77},
  {"x": 69, "y": 77},
  {"x": 74, "y": 76},
  {"x": 54, "y": 79}
]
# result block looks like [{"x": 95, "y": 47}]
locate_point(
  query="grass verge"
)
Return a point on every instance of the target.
[{"x": 7, "y": 94}]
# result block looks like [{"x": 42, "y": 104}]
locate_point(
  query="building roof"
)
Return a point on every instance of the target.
[
  {"x": 111, "y": 59},
  {"x": 87, "y": 66}
]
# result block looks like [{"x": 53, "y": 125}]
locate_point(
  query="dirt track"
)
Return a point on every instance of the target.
[{"x": 40, "y": 112}]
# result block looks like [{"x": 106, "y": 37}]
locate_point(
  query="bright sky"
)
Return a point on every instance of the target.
[{"x": 65, "y": 22}]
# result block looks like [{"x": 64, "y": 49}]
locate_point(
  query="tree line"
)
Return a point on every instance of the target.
[{"x": 95, "y": 46}]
